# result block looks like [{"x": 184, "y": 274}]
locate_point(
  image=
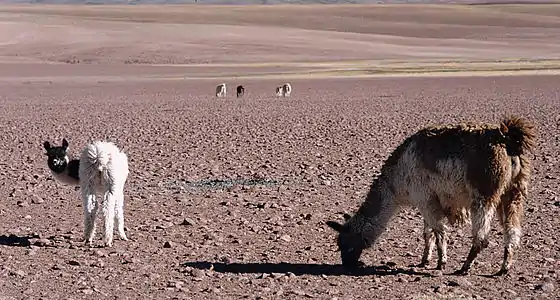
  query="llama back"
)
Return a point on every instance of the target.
[
  {"x": 104, "y": 162},
  {"x": 444, "y": 161}
]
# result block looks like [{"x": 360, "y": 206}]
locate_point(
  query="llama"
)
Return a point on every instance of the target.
[
  {"x": 287, "y": 89},
  {"x": 451, "y": 174},
  {"x": 221, "y": 90},
  {"x": 240, "y": 91},
  {"x": 279, "y": 91},
  {"x": 101, "y": 169},
  {"x": 284, "y": 90}
]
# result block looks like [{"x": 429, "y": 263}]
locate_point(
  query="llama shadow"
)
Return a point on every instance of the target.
[
  {"x": 15, "y": 241},
  {"x": 300, "y": 269}
]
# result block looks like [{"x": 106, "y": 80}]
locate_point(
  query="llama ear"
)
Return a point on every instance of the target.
[
  {"x": 47, "y": 145},
  {"x": 346, "y": 216},
  {"x": 335, "y": 225},
  {"x": 64, "y": 143},
  {"x": 503, "y": 128}
]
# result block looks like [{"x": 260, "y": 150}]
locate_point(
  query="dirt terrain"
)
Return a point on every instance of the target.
[{"x": 228, "y": 198}]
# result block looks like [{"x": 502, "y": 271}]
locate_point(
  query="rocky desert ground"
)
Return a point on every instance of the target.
[{"x": 228, "y": 198}]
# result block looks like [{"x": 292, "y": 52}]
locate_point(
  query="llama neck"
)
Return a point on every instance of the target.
[
  {"x": 70, "y": 175},
  {"x": 377, "y": 210}
]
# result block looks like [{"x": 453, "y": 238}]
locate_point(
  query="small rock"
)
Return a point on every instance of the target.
[
  {"x": 42, "y": 242},
  {"x": 391, "y": 264},
  {"x": 511, "y": 292},
  {"x": 22, "y": 204},
  {"x": 168, "y": 244},
  {"x": 547, "y": 287},
  {"x": 225, "y": 260},
  {"x": 197, "y": 273},
  {"x": 453, "y": 283},
  {"x": 87, "y": 291},
  {"x": 187, "y": 222},
  {"x": 175, "y": 284},
  {"x": 286, "y": 238},
  {"x": 19, "y": 273},
  {"x": 557, "y": 203},
  {"x": 74, "y": 263},
  {"x": 35, "y": 199}
]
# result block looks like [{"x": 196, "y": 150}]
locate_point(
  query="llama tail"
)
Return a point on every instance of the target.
[{"x": 519, "y": 135}]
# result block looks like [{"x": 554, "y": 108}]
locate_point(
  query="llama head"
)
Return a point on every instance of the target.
[
  {"x": 57, "y": 156},
  {"x": 350, "y": 243}
]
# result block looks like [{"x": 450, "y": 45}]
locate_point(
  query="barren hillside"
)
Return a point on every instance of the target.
[{"x": 265, "y": 40}]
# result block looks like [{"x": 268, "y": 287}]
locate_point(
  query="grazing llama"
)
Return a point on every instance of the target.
[
  {"x": 101, "y": 169},
  {"x": 240, "y": 91},
  {"x": 221, "y": 90},
  {"x": 450, "y": 173},
  {"x": 284, "y": 90}
]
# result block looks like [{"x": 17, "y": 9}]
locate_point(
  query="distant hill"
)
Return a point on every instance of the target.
[{"x": 245, "y": 2}]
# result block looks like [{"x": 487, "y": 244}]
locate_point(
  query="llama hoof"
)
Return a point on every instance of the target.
[
  {"x": 108, "y": 243},
  {"x": 422, "y": 264},
  {"x": 440, "y": 267}
]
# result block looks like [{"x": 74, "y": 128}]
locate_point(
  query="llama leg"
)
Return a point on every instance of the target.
[
  {"x": 441, "y": 241},
  {"x": 434, "y": 217},
  {"x": 429, "y": 243},
  {"x": 510, "y": 213},
  {"x": 481, "y": 219},
  {"x": 109, "y": 214},
  {"x": 119, "y": 216},
  {"x": 90, "y": 212}
]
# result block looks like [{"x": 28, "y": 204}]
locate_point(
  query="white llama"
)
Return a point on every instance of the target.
[
  {"x": 101, "y": 170},
  {"x": 221, "y": 90},
  {"x": 284, "y": 90}
]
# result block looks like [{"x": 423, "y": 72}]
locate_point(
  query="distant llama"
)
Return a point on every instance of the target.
[
  {"x": 221, "y": 90},
  {"x": 240, "y": 91},
  {"x": 101, "y": 169},
  {"x": 284, "y": 90},
  {"x": 279, "y": 91},
  {"x": 287, "y": 89},
  {"x": 450, "y": 173}
]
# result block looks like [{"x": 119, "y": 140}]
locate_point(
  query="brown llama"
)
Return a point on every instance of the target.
[{"x": 450, "y": 173}]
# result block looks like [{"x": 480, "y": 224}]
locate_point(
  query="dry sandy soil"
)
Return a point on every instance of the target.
[{"x": 227, "y": 198}]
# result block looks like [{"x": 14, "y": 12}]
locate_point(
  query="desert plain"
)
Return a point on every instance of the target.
[{"x": 228, "y": 198}]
